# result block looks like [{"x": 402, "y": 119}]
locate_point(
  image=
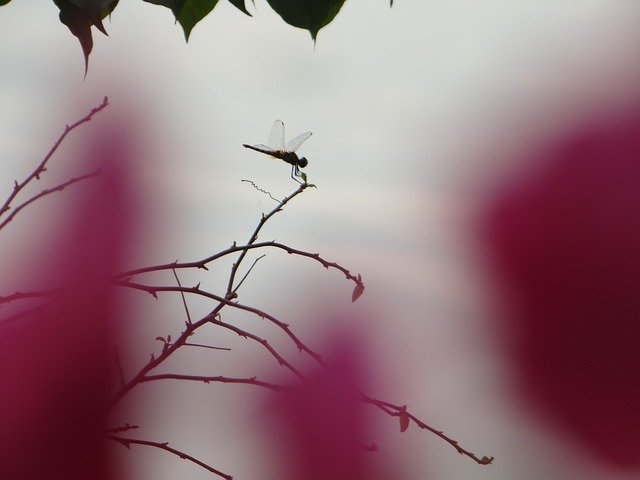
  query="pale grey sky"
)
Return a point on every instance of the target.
[{"x": 408, "y": 106}]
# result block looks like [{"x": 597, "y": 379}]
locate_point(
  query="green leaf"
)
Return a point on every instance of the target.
[
  {"x": 192, "y": 12},
  {"x": 311, "y": 15},
  {"x": 187, "y": 12},
  {"x": 4, "y": 2},
  {"x": 240, "y": 5},
  {"x": 80, "y": 15},
  {"x": 174, "y": 5}
]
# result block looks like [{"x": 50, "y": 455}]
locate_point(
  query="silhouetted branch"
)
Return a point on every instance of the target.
[
  {"x": 127, "y": 442},
  {"x": 154, "y": 290},
  {"x": 123, "y": 428},
  {"x": 254, "y": 237},
  {"x": 218, "y": 378},
  {"x": 41, "y": 168},
  {"x": 401, "y": 410},
  {"x": 202, "y": 264},
  {"x": 206, "y": 346},
  {"x": 262, "y": 341},
  {"x": 26, "y": 295},
  {"x": 184, "y": 300},
  {"x": 248, "y": 272},
  {"x": 44, "y": 193}
]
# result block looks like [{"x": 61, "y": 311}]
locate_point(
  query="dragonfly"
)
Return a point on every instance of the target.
[{"x": 277, "y": 149}]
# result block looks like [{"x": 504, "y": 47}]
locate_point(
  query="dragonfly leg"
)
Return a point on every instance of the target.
[{"x": 295, "y": 172}]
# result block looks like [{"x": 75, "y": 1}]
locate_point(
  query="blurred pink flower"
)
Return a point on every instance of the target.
[
  {"x": 322, "y": 422},
  {"x": 566, "y": 240},
  {"x": 55, "y": 364}
]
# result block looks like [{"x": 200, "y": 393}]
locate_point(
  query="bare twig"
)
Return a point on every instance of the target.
[
  {"x": 254, "y": 237},
  {"x": 26, "y": 295},
  {"x": 127, "y": 442},
  {"x": 184, "y": 300},
  {"x": 397, "y": 410},
  {"x": 202, "y": 264},
  {"x": 44, "y": 193},
  {"x": 168, "y": 349},
  {"x": 248, "y": 272},
  {"x": 41, "y": 168},
  {"x": 206, "y": 346},
  {"x": 123, "y": 428},
  {"x": 218, "y": 378},
  {"x": 153, "y": 290},
  {"x": 262, "y": 341}
]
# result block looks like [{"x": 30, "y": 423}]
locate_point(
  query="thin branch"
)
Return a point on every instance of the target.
[
  {"x": 396, "y": 410},
  {"x": 202, "y": 264},
  {"x": 184, "y": 300},
  {"x": 264, "y": 342},
  {"x": 248, "y": 272},
  {"x": 17, "y": 187},
  {"x": 254, "y": 236},
  {"x": 26, "y": 295},
  {"x": 127, "y": 442},
  {"x": 206, "y": 346},
  {"x": 45, "y": 192},
  {"x": 167, "y": 350},
  {"x": 153, "y": 290},
  {"x": 123, "y": 428},
  {"x": 218, "y": 378}
]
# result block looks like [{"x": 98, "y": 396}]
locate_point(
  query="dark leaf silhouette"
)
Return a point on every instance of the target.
[
  {"x": 240, "y": 5},
  {"x": 311, "y": 15},
  {"x": 80, "y": 15}
]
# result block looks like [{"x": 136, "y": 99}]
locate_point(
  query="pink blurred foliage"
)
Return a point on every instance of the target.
[
  {"x": 320, "y": 422},
  {"x": 57, "y": 363},
  {"x": 565, "y": 238}
]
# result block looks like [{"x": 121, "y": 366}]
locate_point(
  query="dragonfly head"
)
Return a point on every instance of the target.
[{"x": 302, "y": 162}]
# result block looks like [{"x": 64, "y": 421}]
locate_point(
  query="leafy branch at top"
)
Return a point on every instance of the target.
[{"x": 80, "y": 15}]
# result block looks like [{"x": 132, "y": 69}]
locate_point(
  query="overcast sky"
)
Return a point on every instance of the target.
[{"x": 412, "y": 110}]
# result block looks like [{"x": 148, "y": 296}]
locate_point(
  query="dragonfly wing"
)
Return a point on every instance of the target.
[
  {"x": 276, "y": 138},
  {"x": 295, "y": 143}
]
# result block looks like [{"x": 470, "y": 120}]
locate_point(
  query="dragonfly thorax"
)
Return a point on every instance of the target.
[{"x": 292, "y": 159}]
